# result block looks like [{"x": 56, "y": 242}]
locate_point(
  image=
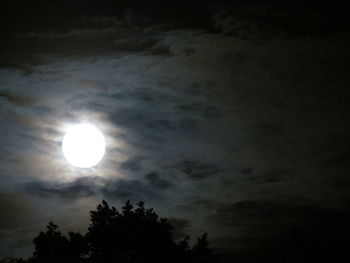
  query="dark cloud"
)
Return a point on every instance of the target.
[
  {"x": 121, "y": 189},
  {"x": 84, "y": 186},
  {"x": 153, "y": 122},
  {"x": 271, "y": 176},
  {"x": 163, "y": 114},
  {"x": 157, "y": 182},
  {"x": 207, "y": 112},
  {"x": 196, "y": 170},
  {"x": 19, "y": 100},
  {"x": 272, "y": 129},
  {"x": 199, "y": 204},
  {"x": 134, "y": 190},
  {"x": 133, "y": 164},
  {"x": 247, "y": 170}
]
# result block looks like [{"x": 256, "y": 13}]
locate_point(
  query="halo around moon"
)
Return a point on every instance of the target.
[{"x": 83, "y": 145}]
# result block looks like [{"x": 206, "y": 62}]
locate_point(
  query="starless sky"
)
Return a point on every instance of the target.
[{"x": 230, "y": 120}]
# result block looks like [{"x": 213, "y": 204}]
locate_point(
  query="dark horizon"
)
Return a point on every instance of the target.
[{"x": 227, "y": 117}]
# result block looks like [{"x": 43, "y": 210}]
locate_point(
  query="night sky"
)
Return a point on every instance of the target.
[{"x": 227, "y": 117}]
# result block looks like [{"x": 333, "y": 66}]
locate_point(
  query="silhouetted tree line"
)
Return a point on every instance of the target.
[{"x": 132, "y": 235}]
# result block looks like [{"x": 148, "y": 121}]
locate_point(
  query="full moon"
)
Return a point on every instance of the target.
[{"x": 83, "y": 145}]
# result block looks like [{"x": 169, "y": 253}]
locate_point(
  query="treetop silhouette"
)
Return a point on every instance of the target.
[{"x": 132, "y": 235}]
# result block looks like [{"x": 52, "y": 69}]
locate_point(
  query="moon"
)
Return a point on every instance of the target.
[{"x": 83, "y": 145}]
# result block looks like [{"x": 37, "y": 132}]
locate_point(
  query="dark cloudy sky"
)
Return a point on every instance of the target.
[{"x": 235, "y": 124}]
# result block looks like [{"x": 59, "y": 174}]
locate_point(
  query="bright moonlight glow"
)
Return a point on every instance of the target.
[{"x": 83, "y": 145}]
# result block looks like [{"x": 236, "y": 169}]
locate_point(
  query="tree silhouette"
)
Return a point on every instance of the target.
[
  {"x": 52, "y": 246},
  {"x": 132, "y": 235}
]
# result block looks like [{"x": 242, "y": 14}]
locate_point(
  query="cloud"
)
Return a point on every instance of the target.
[
  {"x": 19, "y": 100},
  {"x": 157, "y": 182},
  {"x": 133, "y": 190},
  {"x": 83, "y": 186},
  {"x": 207, "y": 112},
  {"x": 150, "y": 187},
  {"x": 274, "y": 175},
  {"x": 133, "y": 164},
  {"x": 196, "y": 170}
]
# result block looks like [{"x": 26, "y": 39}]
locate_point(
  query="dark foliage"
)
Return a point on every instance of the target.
[{"x": 132, "y": 235}]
